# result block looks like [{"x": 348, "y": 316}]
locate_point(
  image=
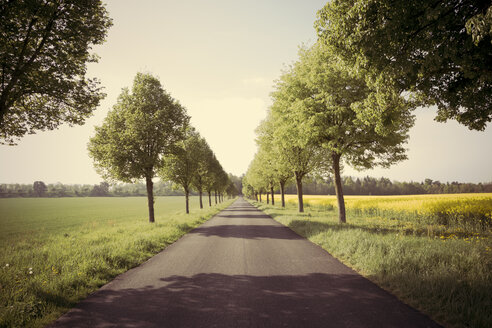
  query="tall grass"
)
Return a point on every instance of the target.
[
  {"x": 54, "y": 252},
  {"x": 443, "y": 270}
]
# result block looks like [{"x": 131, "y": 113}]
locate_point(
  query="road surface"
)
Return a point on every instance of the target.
[{"x": 242, "y": 269}]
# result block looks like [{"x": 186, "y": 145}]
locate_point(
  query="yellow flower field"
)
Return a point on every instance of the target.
[{"x": 467, "y": 211}]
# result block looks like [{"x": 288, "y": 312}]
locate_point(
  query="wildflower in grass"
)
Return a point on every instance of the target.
[{"x": 7, "y": 265}]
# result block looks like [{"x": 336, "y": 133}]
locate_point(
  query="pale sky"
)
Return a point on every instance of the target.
[{"x": 219, "y": 59}]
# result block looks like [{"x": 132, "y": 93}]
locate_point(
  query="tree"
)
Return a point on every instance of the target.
[
  {"x": 181, "y": 166},
  {"x": 213, "y": 169},
  {"x": 44, "y": 50},
  {"x": 292, "y": 137},
  {"x": 143, "y": 126},
  {"x": 440, "y": 50},
  {"x": 278, "y": 170},
  {"x": 267, "y": 171},
  {"x": 203, "y": 155},
  {"x": 100, "y": 190},
  {"x": 39, "y": 188},
  {"x": 362, "y": 125},
  {"x": 220, "y": 184},
  {"x": 232, "y": 190},
  {"x": 255, "y": 178}
]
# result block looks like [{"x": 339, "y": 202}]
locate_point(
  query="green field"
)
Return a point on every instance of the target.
[
  {"x": 54, "y": 252},
  {"x": 432, "y": 251}
]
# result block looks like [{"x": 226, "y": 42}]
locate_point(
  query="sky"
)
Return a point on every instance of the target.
[{"x": 220, "y": 58}]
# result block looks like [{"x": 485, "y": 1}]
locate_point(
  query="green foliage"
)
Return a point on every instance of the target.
[
  {"x": 142, "y": 127},
  {"x": 420, "y": 46},
  {"x": 447, "y": 278},
  {"x": 182, "y": 165},
  {"x": 322, "y": 113},
  {"x": 44, "y": 50},
  {"x": 254, "y": 178},
  {"x": 55, "y": 252},
  {"x": 364, "y": 125},
  {"x": 39, "y": 188},
  {"x": 204, "y": 157},
  {"x": 275, "y": 170},
  {"x": 213, "y": 169}
]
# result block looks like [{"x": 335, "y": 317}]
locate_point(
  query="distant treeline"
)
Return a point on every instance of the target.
[
  {"x": 384, "y": 186},
  {"x": 40, "y": 189},
  {"x": 351, "y": 186}
]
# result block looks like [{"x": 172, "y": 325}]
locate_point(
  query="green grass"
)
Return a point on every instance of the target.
[
  {"x": 54, "y": 252},
  {"x": 448, "y": 277}
]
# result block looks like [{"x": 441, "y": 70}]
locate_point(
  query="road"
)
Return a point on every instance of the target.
[{"x": 242, "y": 269}]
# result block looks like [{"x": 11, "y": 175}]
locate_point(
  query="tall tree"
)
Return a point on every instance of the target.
[
  {"x": 44, "y": 49},
  {"x": 292, "y": 133},
  {"x": 440, "y": 50},
  {"x": 278, "y": 170},
  {"x": 361, "y": 125},
  {"x": 267, "y": 171},
  {"x": 203, "y": 157},
  {"x": 181, "y": 166},
  {"x": 221, "y": 183},
  {"x": 39, "y": 188},
  {"x": 255, "y": 178},
  {"x": 212, "y": 174},
  {"x": 143, "y": 126}
]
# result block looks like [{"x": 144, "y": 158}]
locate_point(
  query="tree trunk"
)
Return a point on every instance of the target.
[
  {"x": 338, "y": 187},
  {"x": 260, "y": 196},
  {"x": 201, "y": 202},
  {"x": 256, "y": 196},
  {"x": 273, "y": 197},
  {"x": 268, "y": 197},
  {"x": 299, "y": 192},
  {"x": 150, "y": 197},
  {"x": 215, "y": 193},
  {"x": 282, "y": 192},
  {"x": 187, "y": 194},
  {"x": 209, "y": 198}
]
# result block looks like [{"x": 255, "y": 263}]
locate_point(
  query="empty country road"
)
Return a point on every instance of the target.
[{"x": 242, "y": 269}]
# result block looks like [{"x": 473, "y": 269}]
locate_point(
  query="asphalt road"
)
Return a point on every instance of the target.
[{"x": 242, "y": 269}]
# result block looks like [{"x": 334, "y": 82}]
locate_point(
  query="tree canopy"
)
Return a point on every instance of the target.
[
  {"x": 182, "y": 165},
  {"x": 439, "y": 50},
  {"x": 44, "y": 49},
  {"x": 323, "y": 115},
  {"x": 361, "y": 124},
  {"x": 143, "y": 126}
]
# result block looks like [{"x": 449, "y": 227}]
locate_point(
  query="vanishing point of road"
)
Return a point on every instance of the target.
[{"x": 242, "y": 269}]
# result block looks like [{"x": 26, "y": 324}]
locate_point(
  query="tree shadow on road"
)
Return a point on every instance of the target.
[
  {"x": 247, "y": 231},
  {"x": 218, "y": 300}
]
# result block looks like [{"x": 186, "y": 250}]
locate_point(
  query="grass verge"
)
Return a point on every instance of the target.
[
  {"x": 45, "y": 273},
  {"x": 450, "y": 279}
]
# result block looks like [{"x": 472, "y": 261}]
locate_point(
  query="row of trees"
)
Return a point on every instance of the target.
[
  {"x": 323, "y": 115},
  {"x": 311, "y": 186},
  {"x": 148, "y": 134},
  {"x": 349, "y": 98}
]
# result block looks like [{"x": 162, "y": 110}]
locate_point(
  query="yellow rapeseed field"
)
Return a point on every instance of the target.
[{"x": 468, "y": 211}]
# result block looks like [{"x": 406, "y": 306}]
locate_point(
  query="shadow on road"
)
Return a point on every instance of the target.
[
  {"x": 247, "y": 232},
  {"x": 217, "y": 300}
]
